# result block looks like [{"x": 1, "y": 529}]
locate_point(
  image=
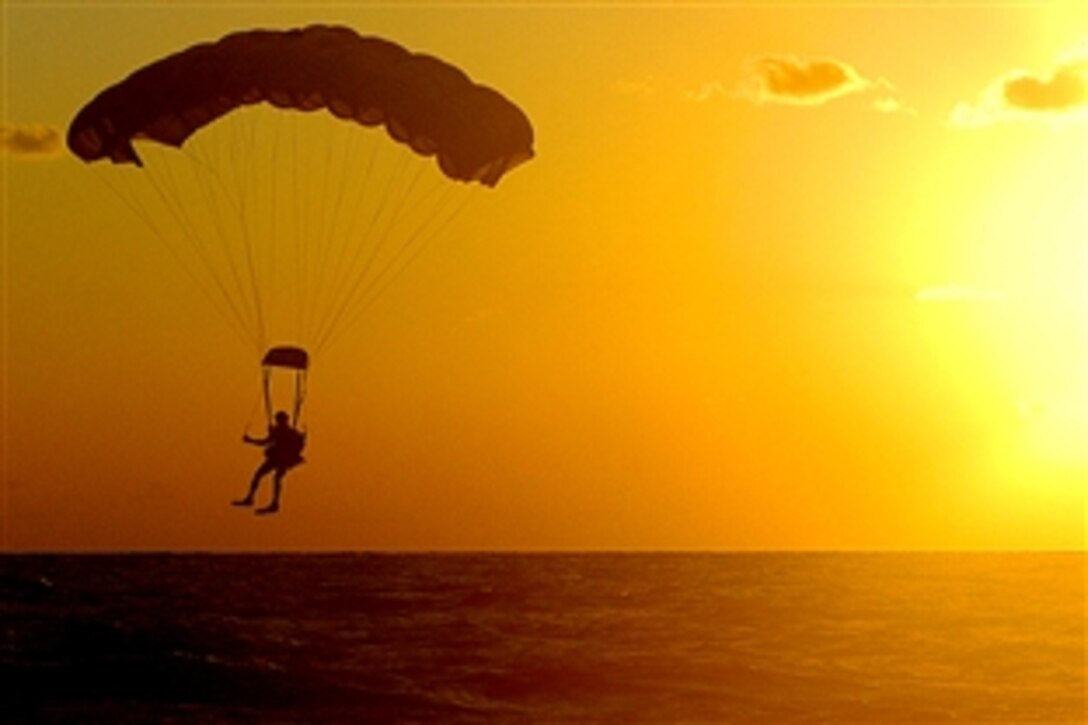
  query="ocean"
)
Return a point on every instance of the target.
[{"x": 544, "y": 638}]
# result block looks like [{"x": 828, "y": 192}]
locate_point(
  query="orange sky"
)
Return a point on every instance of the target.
[{"x": 776, "y": 278}]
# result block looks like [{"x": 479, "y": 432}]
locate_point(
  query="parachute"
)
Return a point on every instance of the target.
[
  {"x": 292, "y": 227},
  {"x": 434, "y": 108}
]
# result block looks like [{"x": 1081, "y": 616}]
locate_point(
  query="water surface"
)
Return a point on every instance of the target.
[{"x": 764, "y": 637}]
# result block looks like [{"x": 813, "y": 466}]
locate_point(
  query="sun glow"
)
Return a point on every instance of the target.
[
  {"x": 1056, "y": 430},
  {"x": 1004, "y": 285}
]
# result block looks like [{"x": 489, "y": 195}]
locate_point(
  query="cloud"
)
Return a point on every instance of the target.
[
  {"x": 958, "y": 293},
  {"x": 1060, "y": 95},
  {"x": 706, "y": 91},
  {"x": 892, "y": 104},
  {"x": 1066, "y": 89},
  {"x": 778, "y": 79},
  {"x": 26, "y": 140},
  {"x": 795, "y": 81}
]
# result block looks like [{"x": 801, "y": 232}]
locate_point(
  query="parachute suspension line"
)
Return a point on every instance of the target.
[
  {"x": 185, "y": 225},
  {"x": 358, "y": 279},
  {"x": 376, "y": 205},
  {"x": 414, "y": 247},
  {"x": 212, "y": 177},
  {"x": 247, "y": 246},
  {"x": 323, "y": 207},
  {"x": 227, "y": 178},
  {"x": 263, "y": 219},
  {"x": 338, "y": 240},
  {"x": 168, "y": 186},
  {"x": 226, "y": 311},
  {"x": 317, "y": 213},
  {"x": 272, "y": 251},
  {"x": 239, "y": 161},
  {"x": 165, "y": 185},
  {"x": 382, "y": 205},
  {"x": 378, "y": 288},
  {"x": 218, "y": 220},
  {"x": 313, "y": 219},
  {"x": 362, "y": 281},
  {"x": 380, "y": 221},
  {"x": 386, "y": 169},
  {"x": 300, "y": 257},
  {"x": 306, "y": 211},
  {"x": 361, "y": 194}
]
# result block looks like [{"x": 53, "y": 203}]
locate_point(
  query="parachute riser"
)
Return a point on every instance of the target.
[
  {"x": 300, "y": 396},
  {"x": 291, "y": 359},
  {"x": 296, "y": 405}
]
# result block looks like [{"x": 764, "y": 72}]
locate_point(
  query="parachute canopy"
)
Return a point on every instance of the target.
[{"x": 475, "y": 133}]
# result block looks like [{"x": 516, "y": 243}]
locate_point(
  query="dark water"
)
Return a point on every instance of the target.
[{"x": 545, "y": 638}]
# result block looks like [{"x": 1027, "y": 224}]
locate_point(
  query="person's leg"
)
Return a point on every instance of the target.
[
  {"x": 261, "y": 471},
  {"x": 277, "y": 487}
]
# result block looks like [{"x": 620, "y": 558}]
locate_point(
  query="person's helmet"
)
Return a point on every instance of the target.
[{"x": 282, "y": 417}]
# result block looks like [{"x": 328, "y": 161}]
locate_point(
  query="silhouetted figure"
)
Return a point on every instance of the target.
[{"x": 282, "y": 452}]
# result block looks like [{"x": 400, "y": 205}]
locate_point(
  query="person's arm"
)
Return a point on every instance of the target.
[{"x": 255, "y": 441}]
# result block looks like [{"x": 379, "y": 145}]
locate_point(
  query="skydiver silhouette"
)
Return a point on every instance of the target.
[{"x": 282, "y": 452}]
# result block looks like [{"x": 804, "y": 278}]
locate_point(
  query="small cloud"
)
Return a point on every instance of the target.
[
  {"x": 795, "y": 81},
  {"x": 958, "y": 293},
  {"x": 892, "y": 104},
  {"x": 708, "y": 90},
  {"x": 30, "y": 140},
  {"x": 887, "y": 105},
  {"x": 1060, "y": 95},
  {"x": 779, "y": 79},
  {"x": 1065, "y": 90}
]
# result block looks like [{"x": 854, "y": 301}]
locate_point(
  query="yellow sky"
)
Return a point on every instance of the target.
[{"x": 794, "y": 277}]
